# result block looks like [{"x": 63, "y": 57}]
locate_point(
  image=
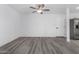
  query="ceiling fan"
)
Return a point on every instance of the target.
[{"x": 39, "y": 8}]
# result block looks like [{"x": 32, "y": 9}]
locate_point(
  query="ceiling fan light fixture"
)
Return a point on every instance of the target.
[{"x": 39, "y": 11}]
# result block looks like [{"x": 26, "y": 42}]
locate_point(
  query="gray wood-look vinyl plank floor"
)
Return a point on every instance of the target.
[{"x": 40, "y": 45}]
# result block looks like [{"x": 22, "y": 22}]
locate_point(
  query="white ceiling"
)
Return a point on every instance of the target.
[{"x": 54, "y": 8}]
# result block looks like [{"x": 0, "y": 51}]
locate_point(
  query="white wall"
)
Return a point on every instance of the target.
[
  {"x": 43, "y": 25},
  {"x": 10, "y": 22},
  {"x": 74, "y": 15}
]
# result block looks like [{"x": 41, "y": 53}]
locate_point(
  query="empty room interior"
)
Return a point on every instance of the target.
[{"x": 39, "y": 28}]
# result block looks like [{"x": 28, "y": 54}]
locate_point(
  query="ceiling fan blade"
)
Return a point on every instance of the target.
[
  {"x": 42, "y": 5},
  {"x": 38, "y": 6},
  {"x": 34, "y": 11},
  {"x": 46, "y": 9},
  {"x": 32, "y": 7}
]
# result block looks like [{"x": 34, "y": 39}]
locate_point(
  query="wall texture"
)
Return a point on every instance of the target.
[
  {"x": 10, "y": 22},
  {"x": 45, "y": 25},
  {"x": 74, "y": 15}
]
